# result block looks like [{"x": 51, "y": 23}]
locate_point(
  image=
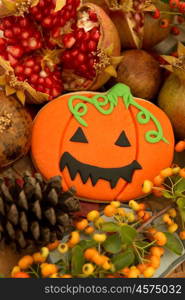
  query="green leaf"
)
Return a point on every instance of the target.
[
  {"x": 173, "y": 243},
  {"x": 179, "y": 194},
  {"x": 113, "y": 243},
  {"x": 110, "y": 227},
  {"x": 77, "y": 260},
  {"x": 128, "y": 234},
  {"x": 180, "y": 186},
  {"x": 123, "y": 260},
  {"x": 167, "y": 195},
  {"x": 181, "y": 203},
  {"x": 84, "y": 244}
]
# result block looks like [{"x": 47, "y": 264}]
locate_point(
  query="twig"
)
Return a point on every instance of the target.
[{"x": 160, "y": 213}]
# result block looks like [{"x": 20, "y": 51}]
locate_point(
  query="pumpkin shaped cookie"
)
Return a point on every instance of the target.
[
  {"x": 104, "y": 144},
  {"x": 15, "y": 130}
]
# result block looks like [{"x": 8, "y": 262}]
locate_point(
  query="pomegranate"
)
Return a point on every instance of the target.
[
  {"x": 172, "y": 95},
  {"x": 141, "y": 72},
  {"x": 50, "y": 45},
  {"x": 140, "y": 23}
]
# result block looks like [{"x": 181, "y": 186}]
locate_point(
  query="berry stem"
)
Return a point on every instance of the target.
[{"x": 158, "y": 214}]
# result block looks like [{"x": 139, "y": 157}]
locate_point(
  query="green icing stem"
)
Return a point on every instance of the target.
[{"x": 111, "y": 98}]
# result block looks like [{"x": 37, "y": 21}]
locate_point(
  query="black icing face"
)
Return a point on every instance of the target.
[{"x": 112, "y": 175}]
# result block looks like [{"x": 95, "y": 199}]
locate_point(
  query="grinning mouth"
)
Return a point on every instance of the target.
[{"x": 95, "y": 173}]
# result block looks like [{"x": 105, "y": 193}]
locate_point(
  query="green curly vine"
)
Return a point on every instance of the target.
[{"x": 111, "y": 98}]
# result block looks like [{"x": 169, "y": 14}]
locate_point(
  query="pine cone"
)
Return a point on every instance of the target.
[{"x": 36, "y": 212}]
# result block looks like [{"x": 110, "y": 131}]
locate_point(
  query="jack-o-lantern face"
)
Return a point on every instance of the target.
[{"x": 105, "y": 145}]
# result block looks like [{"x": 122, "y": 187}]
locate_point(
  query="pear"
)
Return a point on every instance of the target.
[{"x": 172, "y": 94}]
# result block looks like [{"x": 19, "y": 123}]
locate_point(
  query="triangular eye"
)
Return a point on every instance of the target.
[
  {"x": 79, "y": 136},
  {"x": 122, "y": 140}
]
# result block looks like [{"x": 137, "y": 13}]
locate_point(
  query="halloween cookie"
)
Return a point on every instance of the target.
[
  {"x": 104, "y": 144},
  {"x": 15, "y": 130}
]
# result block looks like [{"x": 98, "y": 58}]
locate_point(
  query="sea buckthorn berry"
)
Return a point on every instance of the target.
[
  {"x": 55, "y": 275},
  {"x": 162, "y": 251},
  {"x": 125, "y": 270},
  {"x": 115, "y": 204},
  {"x": 142, "y": 267},
  {"x": 142, "y": 206},
  {"x": 74, "y": 238},
  {"x": 147, "y": 186},
  {"x": 133, "y": 273},
  {"x": 38, "y": 258},
  {"x": 164, "y": 23},
  {"x": 98, "y": 259},
  {"x": 44, "y": 252},
  {"x": 130, "y": 217},
  {"x": 182, "y": 235},
  {"x": 176, "y": 170},
  {"x": 158, "y": 180},
  {"x": 154, "y": 261},
  {"x": 48, "y": 270},
  {"x": 160, "y": 238},
  {"x": 121, "y": 212},
  {"x": 174, "y": 3},
  {"x": 43, "y": 265},
  {"x": 134, "y": 205},
  {"x": 90, "y": 253},
  {"x": 172, "y": 228},
  {"x": 172, "y": 212},
  {"x": 109, "y": 210},
  {"x": 53, "y": 246},
  {"x": 63, "y": 248},
  {"x": 166, "y": 172},
  {"x": 182, "y": 172},
  {"x": 152, "y": 230},
  {"x": 98, "y": 222},
  {"x": 88, "y": 269},
  {"x": 106, "y": 265},
  {"x": 155, "y": 251},
  {"x": 166, "y": 218},
  {"x": 149, "y": 272},
  {"x": 180, "y": 146},
  {"x": 21, "y": 275},
  {"x": 15, "y": 270},
  {"x": 25, "y": 262},
  {"x": 66, "y": 276},
  {"x": 141, "y": 213},
  {"x": 99, "y": 237},
  {"x": 92, "y": 215},
  {"x": 106, "y": 258},
  {"x": 89, "y": 230},
  {"x": 81, "y": 225},
  {"x": 146, "y": 216}
]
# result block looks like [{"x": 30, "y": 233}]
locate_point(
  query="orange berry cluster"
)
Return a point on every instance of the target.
[
  {"x": 147, "y": 268},
  {"x": 156, "y": 186},
  {"x": 92, "y": 255},
  {"x": 168, "y": 218},
  {"x": 140, "y": 209},
  {"x": 25, "y": 267},
  {"x": 97, "y": 258},
  {"x": 159, "y": 237}
]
